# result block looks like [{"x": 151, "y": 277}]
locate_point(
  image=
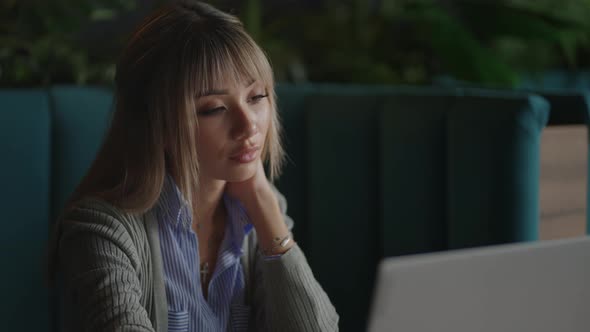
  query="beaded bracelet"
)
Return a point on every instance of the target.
[{"x": 278, "y": 243}]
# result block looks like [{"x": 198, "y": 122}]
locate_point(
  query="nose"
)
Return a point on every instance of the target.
[{"x": 244, "y": 124}]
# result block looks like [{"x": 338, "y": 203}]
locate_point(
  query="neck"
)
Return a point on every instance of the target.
[{"x": 208, "y": 202}]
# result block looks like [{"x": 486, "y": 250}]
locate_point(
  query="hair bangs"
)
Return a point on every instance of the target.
[{"x": 228, "y": 57}]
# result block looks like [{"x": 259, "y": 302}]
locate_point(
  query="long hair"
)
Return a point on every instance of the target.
[{"x": 175, "y": 55}]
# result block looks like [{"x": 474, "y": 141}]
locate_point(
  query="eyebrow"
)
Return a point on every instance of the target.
[{"x": 223, "y": 92}]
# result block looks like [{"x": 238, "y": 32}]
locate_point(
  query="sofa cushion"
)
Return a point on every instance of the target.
[
  {"x": 493, "y": 161},
  {"x": 25, "y": 146},
  {"x": 413, "y": 157},
  {"x": 80, "y": 119}
]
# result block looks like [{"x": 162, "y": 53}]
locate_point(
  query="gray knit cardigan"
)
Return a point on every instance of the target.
[{"x": 110, "y": 266}]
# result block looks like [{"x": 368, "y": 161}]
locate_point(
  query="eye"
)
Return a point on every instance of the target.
[
  {"x": 257, "y": 98},
  {"x": 212, "y": 111}
]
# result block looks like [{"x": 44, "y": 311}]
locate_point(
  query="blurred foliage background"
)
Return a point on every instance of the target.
[{"x": 492, "y": 43}]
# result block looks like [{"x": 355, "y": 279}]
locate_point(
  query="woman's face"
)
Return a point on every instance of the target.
[{"x": 233, "y": 122}]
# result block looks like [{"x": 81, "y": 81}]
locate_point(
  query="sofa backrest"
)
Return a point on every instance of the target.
[
  {"x": 80, "y": 120},
  {"x": 25, "y": 147},
  {"x": 405, "y": 171},
  {"x": 372, "y": 172}
]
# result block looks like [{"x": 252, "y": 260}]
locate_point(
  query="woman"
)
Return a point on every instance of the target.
[{"x": 175, "y": 227}]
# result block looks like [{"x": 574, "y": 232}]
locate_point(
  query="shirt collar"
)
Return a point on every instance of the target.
[
  {"x": 239, "y": 222},
  {"x": 172, "y": 207}
]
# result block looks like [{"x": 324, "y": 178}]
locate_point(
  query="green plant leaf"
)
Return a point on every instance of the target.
[{"x": 102, "y": 14}]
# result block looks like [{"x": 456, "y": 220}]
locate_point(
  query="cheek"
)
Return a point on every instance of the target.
[
  {"x": 209, "y": 144},
  {"x": 264, "y": 122}
]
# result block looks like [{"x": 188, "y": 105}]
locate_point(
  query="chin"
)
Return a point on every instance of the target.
[{"x": 240, "y": 174}]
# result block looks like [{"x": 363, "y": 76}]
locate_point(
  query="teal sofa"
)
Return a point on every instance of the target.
[
  {"x": 372, "y": 172},
  {"x": 568, "y": 94},
  {"x": 394, "y": 171},
  {"x": 25, "y": 147}
]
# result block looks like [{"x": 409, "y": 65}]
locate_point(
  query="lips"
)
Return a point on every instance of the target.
[{"x": 245, "y": 155}]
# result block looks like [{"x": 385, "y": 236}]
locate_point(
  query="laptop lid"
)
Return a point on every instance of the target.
[{"x": 537, "y": 287}]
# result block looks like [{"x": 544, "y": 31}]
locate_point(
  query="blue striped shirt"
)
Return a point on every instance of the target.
[{"x": 188, "y": 310}]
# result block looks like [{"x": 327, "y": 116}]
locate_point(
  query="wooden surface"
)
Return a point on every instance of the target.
[{"x": 564, "y": 157}]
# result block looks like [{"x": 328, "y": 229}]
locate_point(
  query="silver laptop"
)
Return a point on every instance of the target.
[{"x": 533, "y": 287}]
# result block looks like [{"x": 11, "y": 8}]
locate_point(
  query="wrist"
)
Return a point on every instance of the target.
[
  {"x": 263, "y": 210},
  {"x": 268, "y": 221},
  {"x": 265, "y": 215},
  {"x": 279, "y": 246},
  {"x": 260, "y": 197}
]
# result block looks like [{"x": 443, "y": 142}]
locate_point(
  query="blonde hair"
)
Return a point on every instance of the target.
[{"x": 175, "y": 55}]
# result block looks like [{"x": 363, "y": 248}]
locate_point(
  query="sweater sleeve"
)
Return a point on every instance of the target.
[
  {"x": 286, "y": 296},
  {"x": 98, "y": 264}
]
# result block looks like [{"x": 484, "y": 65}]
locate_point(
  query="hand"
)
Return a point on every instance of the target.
[
  {"x": 256, "y": 187},
  {"x": 262, "y": 208}
]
